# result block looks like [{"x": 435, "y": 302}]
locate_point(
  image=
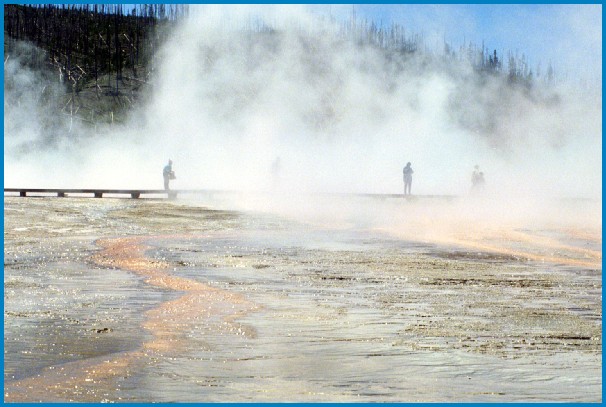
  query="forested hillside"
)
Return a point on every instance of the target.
[{"x": 103, "y": 56}]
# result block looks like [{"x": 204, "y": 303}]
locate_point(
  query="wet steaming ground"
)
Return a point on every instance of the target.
[{"x": 142, "y": 300}]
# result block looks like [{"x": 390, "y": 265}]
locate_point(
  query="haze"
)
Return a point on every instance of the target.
[{"x": 303, "y": 109}]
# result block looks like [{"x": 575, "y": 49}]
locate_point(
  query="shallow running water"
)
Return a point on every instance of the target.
[{"x": 151, "y": 301}]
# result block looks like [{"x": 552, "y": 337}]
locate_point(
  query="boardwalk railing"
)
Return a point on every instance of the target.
[{"x": 97, "y": 193}]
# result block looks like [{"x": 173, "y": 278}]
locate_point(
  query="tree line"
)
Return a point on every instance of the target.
[
  {"x": 481, "y": 58},
  {"x": 85, "y": 41},
  {"x": 109, "y": 47},
  {"x": 93, "y": 39}
]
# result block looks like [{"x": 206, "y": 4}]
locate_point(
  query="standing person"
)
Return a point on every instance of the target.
[
  {"x": 168, "y": 174},
  {"x": 475, "y": 177},
  {"x": 407, "y": 172}
]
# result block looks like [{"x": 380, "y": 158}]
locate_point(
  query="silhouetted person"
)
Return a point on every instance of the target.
[
  {"x": 475, "y": 176},
  {"x": 168, "y": 174},
  {"x": 407, "y": 172},
  {"x": 477, "y": 180}
]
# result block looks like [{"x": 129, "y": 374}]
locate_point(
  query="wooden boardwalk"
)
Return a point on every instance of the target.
[
  {"x": 172, "y": 194},
  {"x": 97, "y": 193}
]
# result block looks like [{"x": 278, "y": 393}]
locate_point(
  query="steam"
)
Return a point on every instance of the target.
[{"x": 230, "y": 100}]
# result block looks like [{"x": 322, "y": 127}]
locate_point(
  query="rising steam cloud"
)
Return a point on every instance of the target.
[{"x": 298, "y": 106}]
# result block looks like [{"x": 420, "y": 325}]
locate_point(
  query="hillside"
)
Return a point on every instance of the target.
[
  {"x": 99, "y": 56},
  {"x": 98, "y": 61}
]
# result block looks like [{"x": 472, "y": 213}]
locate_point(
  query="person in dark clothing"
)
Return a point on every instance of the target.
[
  {"x": 407, "y": 172},
  {"x": 168, "y": 174}
]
